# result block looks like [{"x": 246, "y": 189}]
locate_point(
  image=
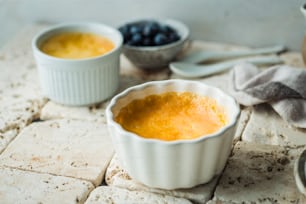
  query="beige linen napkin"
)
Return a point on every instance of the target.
[{"x": 283, "y": 87}]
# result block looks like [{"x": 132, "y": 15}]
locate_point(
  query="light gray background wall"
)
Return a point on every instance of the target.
[{"x": 253, "y": 23}]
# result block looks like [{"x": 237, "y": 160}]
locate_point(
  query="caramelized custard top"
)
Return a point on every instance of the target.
[
  {"x": 172, "y": 116},
  {"x": 77, "y": 45}
]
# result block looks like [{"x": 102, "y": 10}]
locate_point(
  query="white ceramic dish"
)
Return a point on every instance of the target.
[
  {"x": 156, "y": 57},
  {"x": 79, "y": 81},
  {"x": 174, "y": 164}
]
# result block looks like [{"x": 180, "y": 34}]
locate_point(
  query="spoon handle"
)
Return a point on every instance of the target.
[
  {"x": 219, "y": 67},
  {"x": 191, "y": 70},
  {"x": 204, "y": 55}
]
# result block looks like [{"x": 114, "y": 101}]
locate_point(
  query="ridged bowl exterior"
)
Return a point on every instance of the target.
[
  {"x": 79, "y": 81},
  {"x": 177, "y": 164}
]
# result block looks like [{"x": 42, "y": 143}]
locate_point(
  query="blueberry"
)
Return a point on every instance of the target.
[
  {"x": 166, "y": 29},
  {"x": 173, "y": 37},
  {"x": 147, "y": 42},
  {"x": 160, "y": 39},
  {"x": 150, "y": 29},
  {"x": 136, "y": 39},
  {"x": 146, "y": 30},
  {"x": 135, "y": 29},
  {"x": 148, "y": 33}
]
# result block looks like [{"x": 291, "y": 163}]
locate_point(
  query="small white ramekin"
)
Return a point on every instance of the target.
[
  {"x": 79, "y": 81},
  {"x": 174, "y": 164}
]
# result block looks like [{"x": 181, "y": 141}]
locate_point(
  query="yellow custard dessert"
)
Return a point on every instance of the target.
[
  {"x": 172, "y": 116},
  {"x": 77, "y": 45}
]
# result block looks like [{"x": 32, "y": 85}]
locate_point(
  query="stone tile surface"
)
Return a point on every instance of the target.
[
  {"x": 18, "y": 107},
  {"x": 114, "y": 195},
  {"x": 267, "y": 127},
  {"x": 242, "y": 122},
  {"x": 27, "y": 187},
  {"x": 20, "y": 104},
  {"x": 73, "y": 142},
  {"x": 258, "y": 173},
  {"x": 73, "y": 148},
  {"x": 20, "y": 97},
  {"x": 54, "y": 110},
  {"x": 116, "y": 176},
  {"x": 6, "y": 137}
]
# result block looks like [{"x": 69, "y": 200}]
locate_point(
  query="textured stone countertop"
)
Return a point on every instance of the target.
[{"x": 50, "y": 153}]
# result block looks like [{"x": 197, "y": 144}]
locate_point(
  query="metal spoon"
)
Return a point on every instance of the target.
[
  {"x": 194, "y": 70},
  {"x": 300, "y": 172},
  {"x": 202, "y": 56}
]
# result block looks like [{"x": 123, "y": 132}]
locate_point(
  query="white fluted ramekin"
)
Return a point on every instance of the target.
[
  {"x": 79, "y": 81},
  {"x": 174, "y": 164}
]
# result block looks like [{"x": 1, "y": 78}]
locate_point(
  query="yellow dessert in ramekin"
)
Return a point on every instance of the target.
[
  {"x": 74, "y": 67},
  {"x": 178, "y": 162}
]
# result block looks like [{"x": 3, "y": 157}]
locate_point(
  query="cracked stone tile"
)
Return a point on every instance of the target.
[
  {"x": 242, "y": 122},
  {"x": 6, "y": 137},
  {"x": 20, "y": 104},
  {"x": 74, "y": 148},
  {"x": 16, "y": 187},
  {"x": 114, "y": 195},
  {"x": 54, "y": 110},
  {"x": 267, "y": 127},
  {"x": 20, "y": 97},
  {"x": 220, "y": 202},
  {"x": 257, "y": 173},
  {"x": 116, "y": 176}
]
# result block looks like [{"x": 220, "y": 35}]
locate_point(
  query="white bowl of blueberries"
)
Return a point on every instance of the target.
[{"x": 153, "y": 44}]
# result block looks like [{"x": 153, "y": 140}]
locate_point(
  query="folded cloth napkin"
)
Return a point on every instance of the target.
[{"x": 283, "y": 87}]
